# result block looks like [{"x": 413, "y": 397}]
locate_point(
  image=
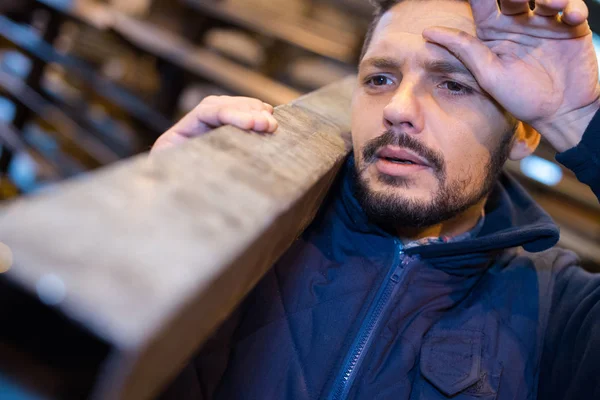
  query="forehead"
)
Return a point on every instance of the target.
[{"x": 402, "y": 25}]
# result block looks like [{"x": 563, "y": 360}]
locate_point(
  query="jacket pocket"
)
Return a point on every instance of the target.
[{"x": 452, "y": 367}]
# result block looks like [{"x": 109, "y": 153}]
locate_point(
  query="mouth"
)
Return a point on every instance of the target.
[{"x": 401, "y": 156}]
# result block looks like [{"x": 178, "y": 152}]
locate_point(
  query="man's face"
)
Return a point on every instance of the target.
[{"x": 428, "y": 142}]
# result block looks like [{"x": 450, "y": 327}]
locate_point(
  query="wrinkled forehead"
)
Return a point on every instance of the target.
[{"x": 404, "y": 23}]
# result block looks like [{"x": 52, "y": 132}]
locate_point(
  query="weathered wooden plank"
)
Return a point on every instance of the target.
[{"x": 151, "y": 254}]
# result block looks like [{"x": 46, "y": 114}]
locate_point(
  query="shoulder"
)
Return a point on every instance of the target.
[
  {"x": 554, "y": 260},
  {"x": 572, "y": 288},
  {"x": 538, "y": 271},
  {"x": 546, "y": 273},
  {"x": 561, "y": 271},
  {"x": 544, "y": 267}
]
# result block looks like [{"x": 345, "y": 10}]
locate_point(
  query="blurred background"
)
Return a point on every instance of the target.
[{"x": 84, "y": 83}]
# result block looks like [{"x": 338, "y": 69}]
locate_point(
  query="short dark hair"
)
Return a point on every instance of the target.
[{"x": 381, "y": 7}]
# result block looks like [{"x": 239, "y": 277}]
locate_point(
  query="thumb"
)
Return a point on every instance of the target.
[{"x": 471, "y": 51}]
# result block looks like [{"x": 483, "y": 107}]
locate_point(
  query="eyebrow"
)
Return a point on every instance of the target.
[
  {"x": 435, "y": 66},
  {"x": 447, "y": 67},
  {"x": 383, "y": 63}
]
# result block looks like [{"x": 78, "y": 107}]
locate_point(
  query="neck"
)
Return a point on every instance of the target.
[{"x": 458, "y": 225}]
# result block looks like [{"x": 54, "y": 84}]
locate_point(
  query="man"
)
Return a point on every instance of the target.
[{"x": 429, "y": 273}]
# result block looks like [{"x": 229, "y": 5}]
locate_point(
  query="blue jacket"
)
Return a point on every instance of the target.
[{"x": 347, "y": 313}]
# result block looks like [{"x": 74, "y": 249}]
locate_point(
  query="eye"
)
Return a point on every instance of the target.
[
  {"x": 456, "y": 88},
  {"x": 378, "y": 81}
]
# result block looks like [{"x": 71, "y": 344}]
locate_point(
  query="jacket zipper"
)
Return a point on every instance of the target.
[{"x": 354, "y": 357}]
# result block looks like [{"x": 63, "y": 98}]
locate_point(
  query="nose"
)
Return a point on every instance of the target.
[{"x": 403, "y": 112}]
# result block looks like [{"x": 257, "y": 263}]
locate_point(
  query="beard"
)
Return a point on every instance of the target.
[{"x": 392, "y": 211}]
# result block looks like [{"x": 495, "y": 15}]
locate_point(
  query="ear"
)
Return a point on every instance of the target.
[{"x": 525, "y": 141}]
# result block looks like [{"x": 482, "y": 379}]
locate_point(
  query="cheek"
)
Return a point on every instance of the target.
[
  {"x": 367, "y": 119},
  {"x": 469, "y": 168},
  {"x": 466, "y": 146}
]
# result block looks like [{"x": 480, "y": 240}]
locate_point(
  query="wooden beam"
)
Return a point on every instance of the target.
[{"x": 150, "y": 255}]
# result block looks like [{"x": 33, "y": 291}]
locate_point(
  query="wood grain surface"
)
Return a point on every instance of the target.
[{"x": 152, "y": 253}]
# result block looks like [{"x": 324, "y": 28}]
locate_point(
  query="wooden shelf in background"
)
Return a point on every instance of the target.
[
  {"x": 302, "y": 32},
  {"x": 202, "y": 62},
  {"x": 178, "y": 51},
  {"x": 113, "y": 136},
  {"x": 569, "y": 187},
  {"x": 90, "y": 13},
  {"x": 11, "y": 139},
  {"x": 34, "y": 46},
  {"x": 94, "y": 152}
]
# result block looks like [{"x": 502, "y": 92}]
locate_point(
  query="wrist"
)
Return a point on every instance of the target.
[{"x": 566, "y": 130}]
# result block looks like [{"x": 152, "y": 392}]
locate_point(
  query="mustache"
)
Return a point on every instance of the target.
[{"x": 390, "y": 138}]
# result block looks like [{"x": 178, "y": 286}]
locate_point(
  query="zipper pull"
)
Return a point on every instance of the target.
[{"x": 396, "y": 276}]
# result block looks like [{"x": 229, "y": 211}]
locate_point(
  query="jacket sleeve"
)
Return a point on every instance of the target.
[
  {"x": 570, "y": 360},
  {"x": 584, "y": 159}
]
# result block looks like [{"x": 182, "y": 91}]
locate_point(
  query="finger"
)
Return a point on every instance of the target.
[
  {"x": 214, "y": 111},
  {"x": 472, "y": 52},
  {"x": 575, "y": 13},
  {"x": 261, "y": 121},
  {"x": 483, "y": 9},
  {"x": 264, "y": 121},
  {"x": 198, "y": 121},
  {"x": 240, "y": 102},
  {"x": 240, "y": 119},
  {"x": 549, "y": 8},
  {"x": 514, "y": 7},
  {"x": 273, "y": 125},
  {"x": 203, "y": 119}
]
